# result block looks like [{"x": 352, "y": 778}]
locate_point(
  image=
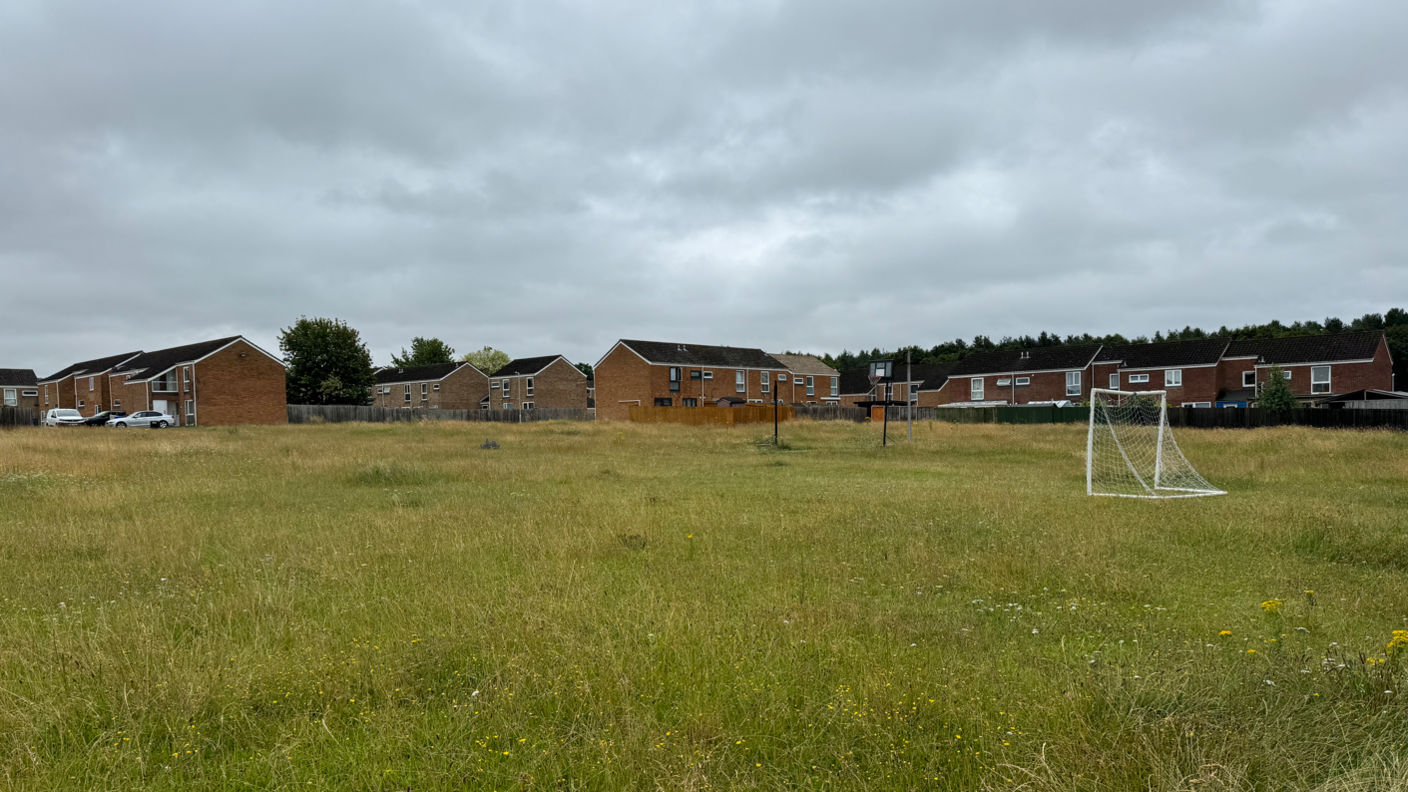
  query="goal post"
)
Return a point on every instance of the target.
[{"x": 1130, "y": 451}]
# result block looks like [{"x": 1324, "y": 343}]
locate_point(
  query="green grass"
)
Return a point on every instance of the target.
[{"x": 612, "y": 607}]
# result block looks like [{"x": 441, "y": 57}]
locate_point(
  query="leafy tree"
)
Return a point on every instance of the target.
[
  {"x": 327, "y": 363},
  {"x": 424, "y": 352},
  {"x": 585, "y": 368},
  {"x": 487, "y": 360},
  {"x": 1276, "y": 393}
]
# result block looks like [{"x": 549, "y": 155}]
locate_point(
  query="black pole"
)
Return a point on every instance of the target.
[
  {"x": 885, "y": 433},
  {"x": 774, "y": 415}
]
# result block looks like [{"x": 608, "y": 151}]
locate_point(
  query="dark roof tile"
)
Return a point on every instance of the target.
[
  {"x": 433, "y": 373},
  {"x": 1308, "y": 349},
  {"x": 1198, "y": 352},
  {"x": 522, "y": 366},
  {"x": 151, "y": 364},
  {"x": 18, "y": 378},
  {"x": 1019, "y": 360},
  {"x": 96, "y": 366},
  {"x": 701, "y": 355}
]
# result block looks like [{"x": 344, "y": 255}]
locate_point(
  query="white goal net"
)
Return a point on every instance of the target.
[{"x": 1130, "y": 451}]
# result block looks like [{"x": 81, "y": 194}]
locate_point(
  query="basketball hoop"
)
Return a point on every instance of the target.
[{"x": 875, "y": 380}]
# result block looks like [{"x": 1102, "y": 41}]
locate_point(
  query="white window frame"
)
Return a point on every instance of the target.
[
  {"x": 1138, "y": 379},
  {"x": 117, "y": 404},
  {"x": 508, "y": 405},
  {"x": 1251, "y": 384},
  {"x": 708, "y": 375},
  {"x": 1023, "y": 381},
  {"x": 186, "y": 379},
  {"x": 765, "y": 381},
  {"x": 29, "y": 393},
  {"x": 1173, "y": 378},
  {"x": 975, "y": 389},
  {"x": 1115, "y": 381},
  {"x": 781, "y": 378},
  {"x": 835, "y": 386},
  {"x": 740, "y": 381},
  {"x": 1315, "y": 384},
  {"x": 90, "y": 384},
  {"x": 811, "y": 386},
  {"x": 527, "y": 405},
  {"x": 1003, "y": 383},
  {"x": 190, "y": 412},
  {"x": 1073, "y": 388},
  {"x": 12, "y": 397},
  {"x": 1286, "y": 373},
  {"x": 80, "y": 404},
  {"x": 435, "y": 387},
  {"x": 913, "y": 392},
  {"x": 1197, "y": 404},
  {"x": 528, "y": 387},
  {"x": 505, "y": 386},
  {"x": 424, "y": 391}
]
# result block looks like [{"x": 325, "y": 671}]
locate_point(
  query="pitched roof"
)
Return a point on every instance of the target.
[
  {"x": 522, "y": 366},
  {"x": 803, "y": 364},
  {"x": 95, "y": 366},
  {"x": 932, "y": 376},
  {"x": 1018, "y": 360},
  {"x": 702, "y": 355},
  {"x": 1198, "y": 352},
  {"x": 152, "y": 364},
  {"x": 855, "y": 381},
  {"x": 1308, "y": 349},
  {"x": 18, "y": 378},
  {"x": 433, "y": 373}
]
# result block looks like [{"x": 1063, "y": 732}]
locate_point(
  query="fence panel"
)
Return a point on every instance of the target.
[
  {"x": 347, "y": 413},
  {"x": 831, "y": 412},
  {"x": 712, "y": 416},
  {"x": 11, "y": 417}
]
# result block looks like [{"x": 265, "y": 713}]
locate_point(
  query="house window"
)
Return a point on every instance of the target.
[
  {"x": 1319, "y": 379},
  {"x": 90, "y": 384},
  {"x": 740, "y": 381},
  {"x": 913, "y": 393},
  {"x": 695, "y": 375},
  {"x": 781, "y": 377},
  {"x": 664, "y": 402},
  {"x": 689, "y": 402},
  {"x": 1249, "y": 378},
  {"x": 29, "y": 393},
  {"x": 975, "y": 389},
  {"x": 1173, "y": 378},
  {"x": 493, "y": 385},
  {"x": 1138, "y": 378},
  {"x": 435, "y": 387},
  {"x": 811, "y": 387},
  {"x": 1072, "y": 383},
  {"x": 1197, "y": 404},
  {"x": 527, "y": 405},
  {"x": 117, "y": 404},
  {"x": 1115, "y": 381},
  {"x": 190, "y": 412},
  {"x": 186, "y": 379},
  {"x": 708, "y": 375},
  {"x": 424, "y": 391},
  {"x": 12, "y": 397},
  {"x": 529, "y": 388},
  {"x": 1024, "y": 380},
  {"x": 505, "y": 389},
  {"x": 46, "y": 394},
  {"x": 674, "y": 379},
  {"x": 80, "y": 404},
  {"x": 835, "y": 385},
  {"x": 408, "y": 394},
  {"x": 1287, "y": 374},
  {"x": 506, "y": 406},
  {"x": 764, "y": 378}
]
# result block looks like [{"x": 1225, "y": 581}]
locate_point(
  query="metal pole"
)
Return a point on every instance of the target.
[
  {"x": 885, "y": 408},
  {"x": 909, "y": 395},
  {"x": 774, "y": 415}
]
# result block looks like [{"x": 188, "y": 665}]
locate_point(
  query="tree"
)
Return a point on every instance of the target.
[
  {"x": 327, "y": 363},
  {"x": 424, "y": 352},
  {"x": 487, "y": 360},
  {"x": 585, "y": 368},
  {"x": 1276, "y": 393}
]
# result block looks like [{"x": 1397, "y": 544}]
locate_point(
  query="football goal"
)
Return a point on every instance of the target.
[{"x": 1130, "y": 451}]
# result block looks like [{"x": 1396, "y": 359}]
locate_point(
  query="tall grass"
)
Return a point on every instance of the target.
[{"x": 614, "y": 607}]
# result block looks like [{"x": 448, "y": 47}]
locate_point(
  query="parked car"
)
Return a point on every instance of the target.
[
  {"x": 63, "y": 417},
  {"x": 103, "y": 417},
  {"x": 147, "y": 418}
]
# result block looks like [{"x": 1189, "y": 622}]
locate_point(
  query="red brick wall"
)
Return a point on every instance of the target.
[
  {"x": 795, "y": 389},
  {"x": 624, "y": 377},
  {"x": 1344, "y": 377},
  {"x": 1045, "y": 386},
  {"x": 239, "y": 385},
  {"x": 1199, "y": 384},
  {"x": 132, "y": 395},
  {"x": 560, "y": 385},
  {"x": 1229, "y": 373},
  {"x": 461, "y": 390}
]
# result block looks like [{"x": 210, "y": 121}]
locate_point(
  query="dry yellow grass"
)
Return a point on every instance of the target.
[{"x": 667, "y": 607}]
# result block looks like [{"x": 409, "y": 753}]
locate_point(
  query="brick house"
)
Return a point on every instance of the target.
[
  {"x": 809, "y": 381},
  {"x": 82, "y": 386},
  {"x": 222, "y": 382},
  {"x": 680, "y": 375},
  {"x": 1020, "y": 376},
  {"x": 1190, "y": 371},
  {"x": 1316, "y": 366},
  {"x": 19, "y": 388},
  {"x": 444, "y": 386},
  {"x": 546, "y": 382}
]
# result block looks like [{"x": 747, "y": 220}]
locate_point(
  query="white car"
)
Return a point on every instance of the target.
[
  {"x": 63, "y": 417},
  {"x": 143, "y": 418}
]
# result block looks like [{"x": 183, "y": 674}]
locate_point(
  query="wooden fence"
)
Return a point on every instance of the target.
[
  {"x": 10, "y": 417},
  {"x": 831, "y": 412},
  {"x": 346, "y": 413},
  {"x": 712, "y": 416}
]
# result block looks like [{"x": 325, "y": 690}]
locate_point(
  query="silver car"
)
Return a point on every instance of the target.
[
  {"x": 63, "y": 417},
  {"x": 143, "y": 418}
]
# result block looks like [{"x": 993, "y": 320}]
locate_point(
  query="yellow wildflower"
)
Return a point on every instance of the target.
[
  {"x": 1225, "y": 633},
  {"x": 1399, "y": 642},
  {"x": 1271, "y": 605}
]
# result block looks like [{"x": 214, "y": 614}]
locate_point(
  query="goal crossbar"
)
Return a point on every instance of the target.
[{"x": 1130, "y": 451}]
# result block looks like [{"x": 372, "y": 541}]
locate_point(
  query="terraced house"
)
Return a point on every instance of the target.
[
  {"x": 1190, "y": 371},
  {"x": 1020, "y": 376},
  {"x": 82, "y": 386},
  {"x": 444, "y": 386},
  {"x": 221, "y": 382},
  {"x": 665, "y": 374},
  {"x": 546, "y": 382},
  {"x": 808, "y": 380},
  {"x": 19, "y": 388}
]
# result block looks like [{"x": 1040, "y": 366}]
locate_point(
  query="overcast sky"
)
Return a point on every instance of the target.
[{"x": 548, "y": 177}]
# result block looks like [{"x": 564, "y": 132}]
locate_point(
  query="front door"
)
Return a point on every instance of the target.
[{"x": 160, "y": 406}]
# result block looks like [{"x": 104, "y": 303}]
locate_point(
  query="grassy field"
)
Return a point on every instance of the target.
[{"x": 613, "y": 607}]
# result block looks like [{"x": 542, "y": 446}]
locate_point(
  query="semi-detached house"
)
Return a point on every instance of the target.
[
  {"x": 443, "y": 386},
  {"x": 221, "y": 382},
  {"x": 808, "y": 380},
  {"x": 544, "y": 382},
  {"x": 1020, "y": 376},
  {"x": 665, "y": 374}
]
